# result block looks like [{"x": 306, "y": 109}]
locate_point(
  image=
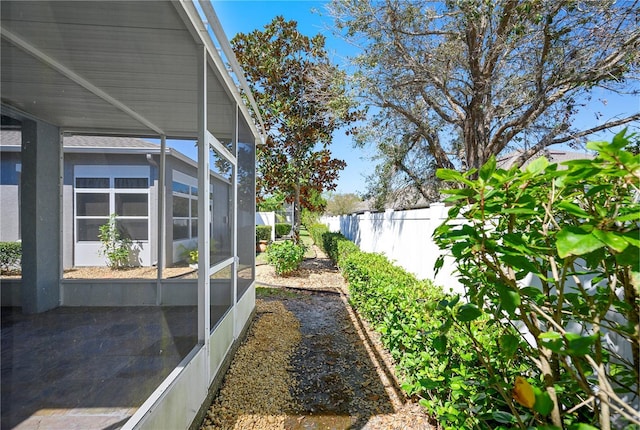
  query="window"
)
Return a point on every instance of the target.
[
  {"x": 101, "y": 191},
  {"x": 185, "y": 207}
]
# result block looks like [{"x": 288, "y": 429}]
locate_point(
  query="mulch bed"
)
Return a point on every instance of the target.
[{"x": 309, "y": 362}]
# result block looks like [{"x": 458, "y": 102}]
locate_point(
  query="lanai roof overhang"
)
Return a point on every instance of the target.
[{"x": 127, "y": 68}]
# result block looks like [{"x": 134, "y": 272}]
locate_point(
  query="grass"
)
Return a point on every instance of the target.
[{"x": 274, "y": 293}]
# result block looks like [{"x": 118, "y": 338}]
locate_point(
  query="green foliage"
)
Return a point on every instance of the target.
[
  {"x": 309, "y": 218},
  {"x": 282, "y": 229},
  {"x": 263, "y": 232},
  {"x": 316, "y": 231},
  {"x": 434, "y": 358},
  {"x": 114, "y": 246},
  {"x": 272, "y": 203},
  {"x": 576, "y": 229},
  {"x": 190, "y": 255},
  {"x": 302, "y": 100},
  {"x": 452, "y": 82},
  {"x": 435, "y": 361},
  {"x": 340, "y": 204},
  {"x": 285, "y": 256},
  {"x": 193, "y": 256},
  {"x": 10, "y": 257},
  {"x": 337, "y": 246}
]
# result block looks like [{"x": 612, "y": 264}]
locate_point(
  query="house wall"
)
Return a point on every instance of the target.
[
  {"x": 9, "y": 196},
  {"x": 71, "y": 160},
  {"x": 174, "y": 249}
]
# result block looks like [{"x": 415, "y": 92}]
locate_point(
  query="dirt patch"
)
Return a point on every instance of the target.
[{"x": 338, "y": 375}]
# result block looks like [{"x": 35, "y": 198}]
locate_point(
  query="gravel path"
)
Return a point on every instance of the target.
[{"x": 309, "y": 362}]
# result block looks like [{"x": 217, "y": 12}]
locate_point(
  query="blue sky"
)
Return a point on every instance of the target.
[{"x": 245, "y": 16}]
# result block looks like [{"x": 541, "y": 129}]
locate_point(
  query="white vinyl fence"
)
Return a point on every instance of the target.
[
  {"x": 267, "y": 218},
  {"x": 404, "y": 237}
]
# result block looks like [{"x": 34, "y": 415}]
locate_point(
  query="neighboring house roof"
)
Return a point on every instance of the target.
[
  {"x": 14, "y": 138},
  {"x": 11, "y": 141}
]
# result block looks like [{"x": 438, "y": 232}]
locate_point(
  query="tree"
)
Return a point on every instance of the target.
[
  {"x": 301, "y": 98},
  {"x": 341, "y": 204},
  {"x": 271, "y": 203},
  {"x": 457, "y": 81}
]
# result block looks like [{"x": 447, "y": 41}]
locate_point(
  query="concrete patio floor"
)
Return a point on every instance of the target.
[{"x": 88, "y": 367}]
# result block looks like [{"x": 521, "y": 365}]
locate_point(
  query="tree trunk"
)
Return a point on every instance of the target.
[{"x": 296, "y": 214}]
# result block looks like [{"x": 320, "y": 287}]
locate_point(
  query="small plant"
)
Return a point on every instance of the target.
[
  {"x": 115, "y": 247},
  {"x": 193, "y": 256},
  {"x": 10, "y": 257},
  {"x": 285, "y": 256}
]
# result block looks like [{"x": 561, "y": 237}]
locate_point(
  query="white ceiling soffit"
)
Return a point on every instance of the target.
[{"x": 110, "y": 67}]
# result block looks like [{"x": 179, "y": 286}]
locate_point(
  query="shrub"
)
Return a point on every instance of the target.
[
  {"x": 316, "y": 231},
  {"x": 285, "y": 256},
  {"x": 282, "y": 229},
  {"x": 337, "y": 247},
  {"x": 411, "y": 317},
  {"x": 115, "y": 247},
  {"x": 577, "y": 231},
  {"x": 263, "y": 232},
  {"x": 309, "y": 218},
  {"x": 10, "y": 257}
]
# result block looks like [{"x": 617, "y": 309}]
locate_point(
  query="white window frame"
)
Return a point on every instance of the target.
[{"x": 111, "y": 172}]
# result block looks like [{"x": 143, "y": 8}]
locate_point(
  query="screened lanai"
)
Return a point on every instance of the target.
[{"x": 114, "y": 353}]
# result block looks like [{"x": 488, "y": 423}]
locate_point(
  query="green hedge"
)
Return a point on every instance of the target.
[
  {"x": 282, "y": 229},
  {"x": 335, "y": 245},
  {"x": 10, "y": 257},
  {"x": 263, "y": 232},
  {"x": 411, "y": 315},
  {"x": 444, "y": 371},
  {"x": 338, "y": 247},
  {"x": 316, "y": 231}
]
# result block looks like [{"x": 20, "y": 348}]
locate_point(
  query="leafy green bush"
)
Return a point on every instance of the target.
[
  {"x": 282, "y": 229},
  {"x": 285, "y": 256},
  {"x": 411, "y": 316},
  {"x": 309, "y": 218},
  {"x": 337, "y": 247},
  {"x": 114, "y": 246},
  {"x": 316, "y": 231},
  {"x": 263, "y": 232},
  {"x": 10, "y": 257},
  {"x": 577, "y": 230}
]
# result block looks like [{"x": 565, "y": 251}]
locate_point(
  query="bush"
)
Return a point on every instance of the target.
[
  {"x": 309, "y": 218},
  {"x": 576, "y": 230},
  {"x": 410, "y": 315},
  {"x": 114, "y": 246},
  {"x": 263, "y": 232},
  {"x": 433, "y": 358},
  {"x": 285, "y": 256},
  {"x": 10, "y": 257},
  {"x": 282, "y": 229},
  {"x": 316, "y": 231},
  {"x": 337, "y": 247}
]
